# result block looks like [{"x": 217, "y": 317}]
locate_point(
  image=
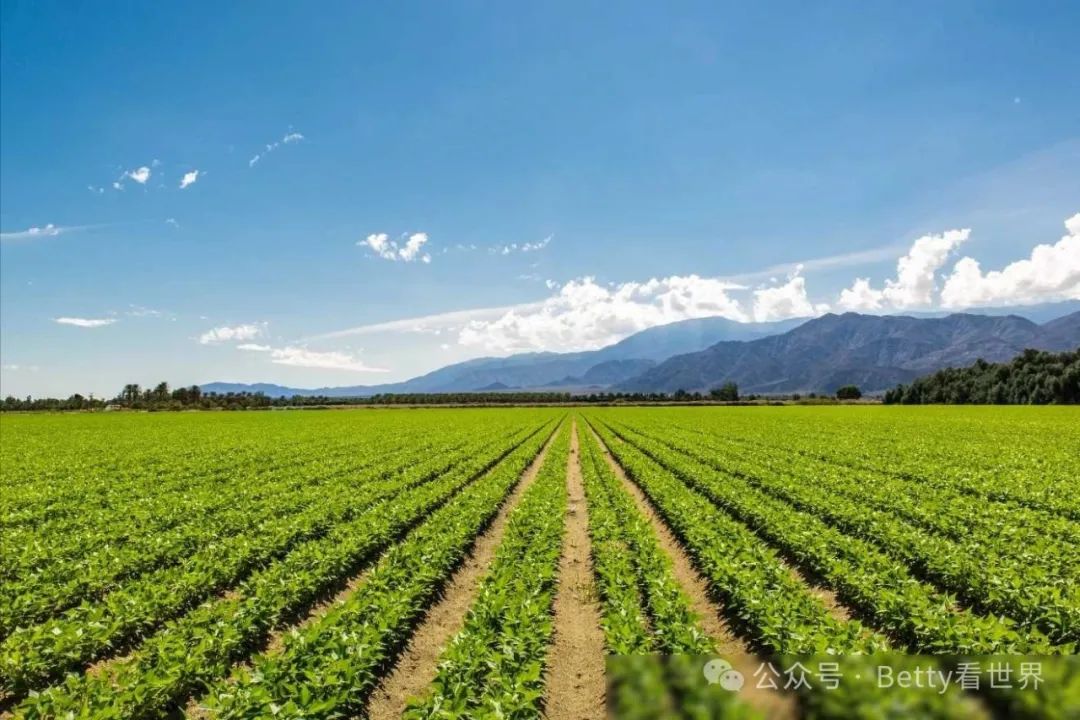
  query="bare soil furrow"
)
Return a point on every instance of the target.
[
  {"x": 693, "y": 584},
  {"x": 575, "y": 686},
  {"x": 416, "y": 667}
]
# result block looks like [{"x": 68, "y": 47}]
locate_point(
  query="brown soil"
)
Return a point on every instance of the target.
[
  {"x": 773, "y": 704},
  {"x": 693, "y": 584},
  {"x": 828, "y": 597},
  {"x": 415, "y": 669},
  {"x": 575, "y": 684}
]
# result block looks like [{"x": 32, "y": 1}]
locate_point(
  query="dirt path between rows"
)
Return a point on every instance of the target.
[
  {"x": 778, "y": 705},
  {"x": 693, "y": 584},
  {"x": 416, "y": 667},
  {"x": 575, "y": 687}
]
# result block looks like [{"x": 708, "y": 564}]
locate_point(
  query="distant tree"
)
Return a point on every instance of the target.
[
  {"x": 130, "y": 394},
  {"x": 1032, "y": 378},
  {"x": 729, "y": 391},
  {"x": 849, "y": 392}
]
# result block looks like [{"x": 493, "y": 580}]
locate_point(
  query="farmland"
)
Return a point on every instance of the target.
[{"x": 445, "y": 563}]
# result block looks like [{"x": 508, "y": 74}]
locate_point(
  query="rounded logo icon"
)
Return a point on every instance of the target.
[{"x": 719, "y": 672}]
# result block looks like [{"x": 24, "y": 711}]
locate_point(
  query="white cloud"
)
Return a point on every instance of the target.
[
  {"x": 785, "y": 301},
  {"x": 585, "y": 315},
  {"x": 31, "y": 233},
  {"x": 914, "y": 285},
  {"x": 140, "y": 175},
  {"x": 329, "y": 360},
  {"x": 140, "y": 311},
  {"x": 172, "y": 221},
  {"x": 860, "y": 297},
  {"x": 253, "y": 347},
  {"x": 388, "y": 249},
  {"x": 226, "y": 333},
  {"x": 1051, "y": 273},
  {"x": 189, "y": 179},
  {"x": 85, "y": 322},
  {"x": 515, "y": 247},
  {"x": 454, "y": 320},
  {"x": 288, "y": 139},
  {"x": 95, "y": 189},
  {"x": 15, "y": 367}
]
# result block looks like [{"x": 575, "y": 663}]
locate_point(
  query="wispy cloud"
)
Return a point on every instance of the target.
[
  {"x": 852, "y": 259},
  {"x": 407, "y": 251},
  {"x": 189, "y": 179},
  {"x": 424, "y": 323},
  {"x": 300, "y": 356},
  {"x": 287, "y": 139},
  {"x": 16, "y": 367},
  {"x": 520, "y": 247},
  {"x": 143, "y": 312},
  {"x": 33, "y": 233},
  {"x": 232, "y": 333},
  {"x": 84, "y": 322},
  {"x": 326, "y": 360}
]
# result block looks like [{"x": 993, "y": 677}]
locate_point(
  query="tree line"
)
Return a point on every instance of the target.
[{"x": 1034, "y": 377}]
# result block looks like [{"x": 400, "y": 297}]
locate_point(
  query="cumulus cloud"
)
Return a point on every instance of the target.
[
  {"x": 860, "y": 297},
  {"x": 916, "y": 271},
  {"x": 140, "y": 175},
  {"x": 1052, "y": 272},
  {"x": 235, "y": 333},
  {"x": 189, "y": 179},
  {"x": 85, "y": 322},
  {"x": 288, "y": 139},
  {"x": 785, "y": 301},
  {"x": 585, "y": 315},
  {"x": 327, "y": 360},
  {"x": 254, "y": 347},
  {"x": 387, "y": 249}
]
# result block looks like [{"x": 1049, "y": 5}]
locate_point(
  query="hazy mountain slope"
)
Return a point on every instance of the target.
[
  {"x": 875, "y": 352},
  {"x": 536, "y": 370}
]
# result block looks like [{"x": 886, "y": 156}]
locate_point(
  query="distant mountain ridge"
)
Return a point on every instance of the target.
[
  {"x": 591, "y": 368},
  {"x": 873, "y": 352}
]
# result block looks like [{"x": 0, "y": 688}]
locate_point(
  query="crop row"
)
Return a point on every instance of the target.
[
  {"x": 188, "y": 655},
  {"x": 910, "y": 611},
  {"x": 644, "y": 609},
  {"x": 744, "y": 574},
  {"x": 105, "y": 566},
  {"x": 42, "y": 652},
  {"x": 493, "y": 666},
  {"x": 1009, "y": 455},
  {"x": 329, "y": 668},
  {"x": 1014, "y": 529},
  {"x": 1021, "y": 588},
  {"x": 129, "y": 511}
]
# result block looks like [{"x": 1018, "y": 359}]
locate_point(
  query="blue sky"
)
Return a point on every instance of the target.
[{"x": 553, "y": 176}]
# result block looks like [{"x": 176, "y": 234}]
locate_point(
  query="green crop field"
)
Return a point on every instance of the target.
[{"x": 417, "y": 563}]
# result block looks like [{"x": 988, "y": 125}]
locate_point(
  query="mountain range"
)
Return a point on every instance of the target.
[{"x": 874, "y": 352}]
